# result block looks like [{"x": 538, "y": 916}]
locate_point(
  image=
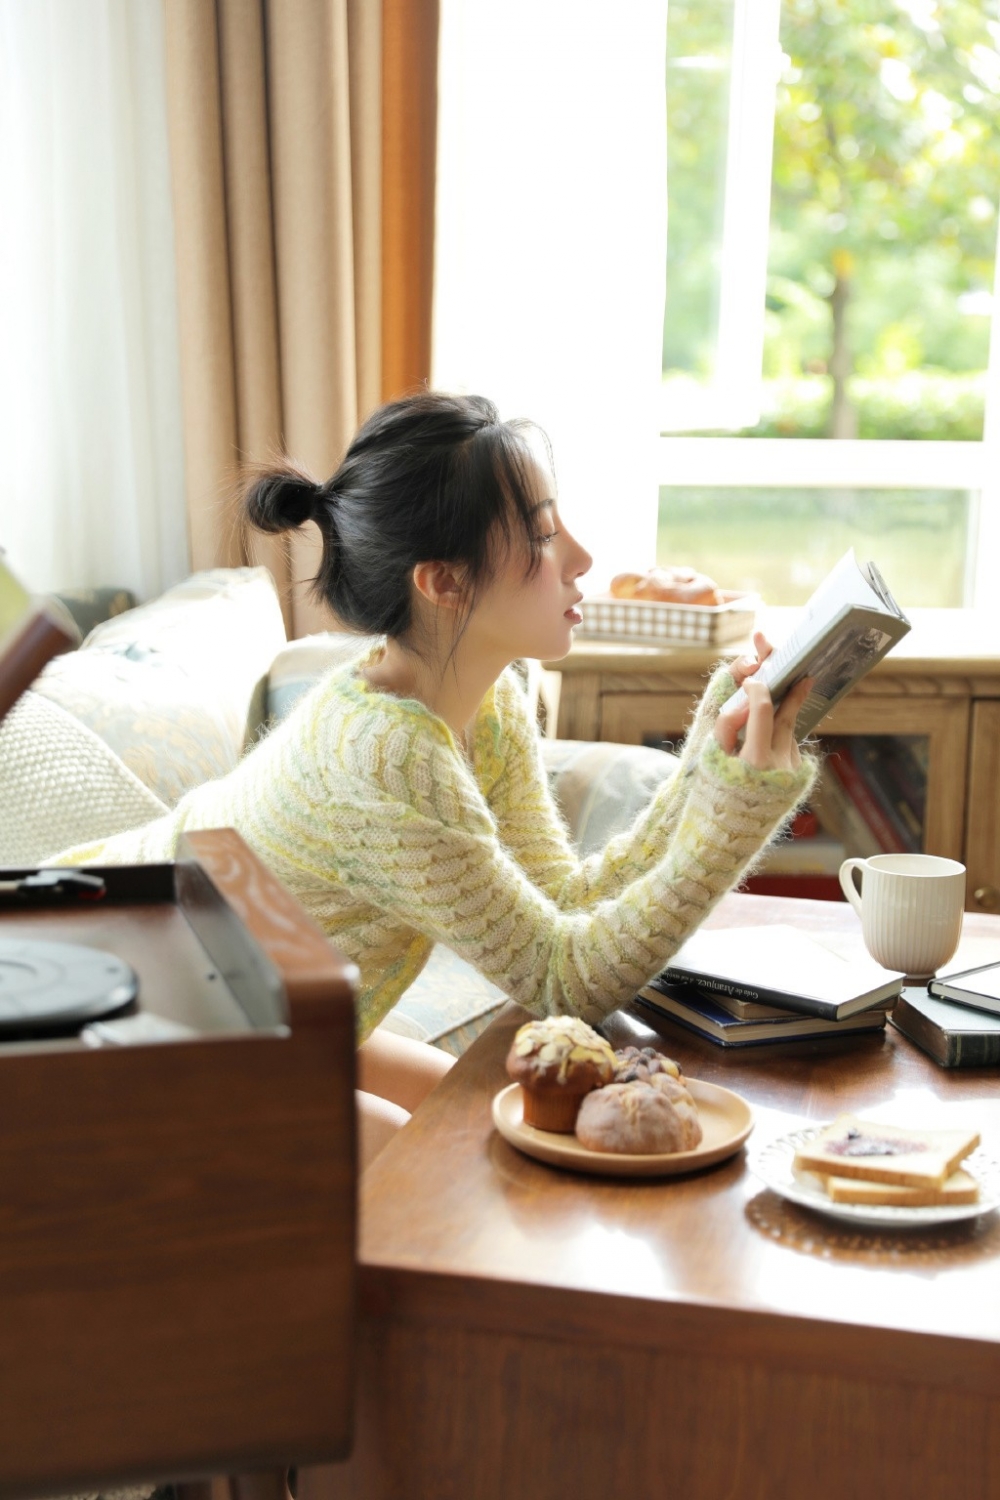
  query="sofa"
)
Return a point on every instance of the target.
[{"x": 161, "y": 697}]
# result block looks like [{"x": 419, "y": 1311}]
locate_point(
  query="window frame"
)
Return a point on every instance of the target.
[{"x": 870, "y": 463}]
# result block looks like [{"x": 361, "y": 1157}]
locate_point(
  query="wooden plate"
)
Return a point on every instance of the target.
[{"x": 726, "y": 1121}]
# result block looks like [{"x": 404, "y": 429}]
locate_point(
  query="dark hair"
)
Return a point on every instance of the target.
[{"x": 429, "y": 477}]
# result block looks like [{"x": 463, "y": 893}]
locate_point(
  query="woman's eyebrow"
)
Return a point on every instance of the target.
[{"x": 540, "y": 506}]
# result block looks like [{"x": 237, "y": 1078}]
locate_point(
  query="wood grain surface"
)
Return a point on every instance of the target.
[
  {"x": 536, "y": 1333},
  {"x": 177, "y": 1258}
]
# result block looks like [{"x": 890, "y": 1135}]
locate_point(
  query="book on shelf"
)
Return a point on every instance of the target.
[
  {"x": 955, "y": 1036},
  {"x": 782, "y": 967},
  {"x": 706, "y": 1015},
  {"x": 842, "y": 764},
  {"x": 897, "y": 774},
  {"x": 978, "y": 988},
  {"x": 848, "y": 625},
  {"x": 867, "y": 761}
]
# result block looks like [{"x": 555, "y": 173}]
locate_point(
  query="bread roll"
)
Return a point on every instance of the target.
[
  {"x": 666, "y": 586},
  {"x": 639, "y": 1118}
]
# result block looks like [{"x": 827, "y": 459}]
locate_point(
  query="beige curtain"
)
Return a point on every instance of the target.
[{"x": 275, "y": 127}]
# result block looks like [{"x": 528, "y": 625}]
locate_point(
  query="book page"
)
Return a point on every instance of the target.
[{"x": 984, "y": 981}]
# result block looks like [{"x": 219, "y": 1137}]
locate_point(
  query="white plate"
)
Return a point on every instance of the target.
[
  {"x": 726, "y": 1121},
  {"x": 772, "y": 1163}
]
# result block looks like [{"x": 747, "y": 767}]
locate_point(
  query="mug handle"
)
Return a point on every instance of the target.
[{"x": 847, "y": 885}]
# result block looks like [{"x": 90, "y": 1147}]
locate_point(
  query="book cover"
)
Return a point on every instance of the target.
[
  {"x": 845, "y": 627},
  {"x": 779, "y": 966},
  {"x": 701, "y": 1013},
  {"x": 977, "y": 988},
  {"x": 754, "y": 1010},
  {"x": 955, "y": 1036}
]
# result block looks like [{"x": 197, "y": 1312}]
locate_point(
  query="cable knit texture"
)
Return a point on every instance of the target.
[{"x": 365, "y": 806}]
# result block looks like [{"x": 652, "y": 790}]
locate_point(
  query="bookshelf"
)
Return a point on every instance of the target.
[{"x": 937, "y": 695}]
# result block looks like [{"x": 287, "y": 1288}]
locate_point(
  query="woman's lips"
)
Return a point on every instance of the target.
[{"x": 574, "y": 616}]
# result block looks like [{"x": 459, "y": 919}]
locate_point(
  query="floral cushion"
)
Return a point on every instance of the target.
[{"x": 171, "y": 686}]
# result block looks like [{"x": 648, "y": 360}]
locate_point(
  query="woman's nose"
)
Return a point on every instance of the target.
[{"x": 584, "y": 561}]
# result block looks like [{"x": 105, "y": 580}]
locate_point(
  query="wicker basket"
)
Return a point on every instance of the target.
[{"x": 609, "y": 619}]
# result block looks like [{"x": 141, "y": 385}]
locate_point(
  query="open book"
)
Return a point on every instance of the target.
[{"x": 848, "y": 625}]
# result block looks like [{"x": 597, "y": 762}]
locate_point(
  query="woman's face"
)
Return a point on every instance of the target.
[{"x": 533, "y": 614}]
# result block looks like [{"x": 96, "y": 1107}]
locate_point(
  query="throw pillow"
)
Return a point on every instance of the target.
[
  {"x": 60, "y": 784},
  {"x": 171, "y": 686}
]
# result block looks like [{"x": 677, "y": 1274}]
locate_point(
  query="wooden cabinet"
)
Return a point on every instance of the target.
[{"x": 942, "y": 683}]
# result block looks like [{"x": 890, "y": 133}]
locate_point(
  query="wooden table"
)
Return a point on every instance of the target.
[{"x": 529, "y": 1333}]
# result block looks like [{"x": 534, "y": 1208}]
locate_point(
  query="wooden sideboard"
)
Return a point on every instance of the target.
[{"x": 942, "y": 681}]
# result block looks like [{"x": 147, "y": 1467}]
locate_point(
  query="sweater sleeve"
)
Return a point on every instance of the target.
[
  {"x": 436, "y": 865},
  {"x": 531, "y": 827}
]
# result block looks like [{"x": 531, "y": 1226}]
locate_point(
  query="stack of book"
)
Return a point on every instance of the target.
[
  {"x": 956, "y": 1019},
  {"x": 742, "y": 987}
]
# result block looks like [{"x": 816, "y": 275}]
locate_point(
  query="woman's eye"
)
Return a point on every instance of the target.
[{"x": 549, "y": 536}]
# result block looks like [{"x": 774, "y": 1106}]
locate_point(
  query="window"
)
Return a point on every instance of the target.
[{"x": 842, "y": 339}]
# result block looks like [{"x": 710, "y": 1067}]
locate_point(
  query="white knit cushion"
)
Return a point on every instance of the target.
[
  {"x": 170, "y": 686},
  {"x": 60, "y": 784}
]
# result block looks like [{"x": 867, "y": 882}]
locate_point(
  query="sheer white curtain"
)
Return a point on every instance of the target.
[
  {"x": 551, "y": 243},
  {"x": 91, "y": 474}
]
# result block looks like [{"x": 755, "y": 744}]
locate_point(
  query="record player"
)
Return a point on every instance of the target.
[{"x": 177, "y": 1160}]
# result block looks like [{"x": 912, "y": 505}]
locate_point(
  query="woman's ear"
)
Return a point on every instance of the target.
[{"x": 440, "y": 583}]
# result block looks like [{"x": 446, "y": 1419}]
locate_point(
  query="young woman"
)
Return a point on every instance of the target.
[{"x": 404, "y": 802}]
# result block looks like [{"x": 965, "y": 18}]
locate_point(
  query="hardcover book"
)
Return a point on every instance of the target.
[
  {"x": 705, "y": 1015},
  {"x": 955, "y": 1036},
  {"x": 848, "y": 625},
  {"x": 781, "y": 967},
  {"x": 979, "y": 987}
]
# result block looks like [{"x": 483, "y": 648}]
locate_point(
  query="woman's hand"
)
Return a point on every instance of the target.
[
  {"x": 745, "y": 666},
  {"x": 769, "y": 743}
]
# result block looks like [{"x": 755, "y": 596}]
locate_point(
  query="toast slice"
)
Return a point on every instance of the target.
[
  {"x": 885, "y": 1153},
  {"x": 960, "y": 1187}
]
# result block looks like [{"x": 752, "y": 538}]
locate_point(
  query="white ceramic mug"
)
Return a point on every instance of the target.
[{"x": 911, "y": 908}]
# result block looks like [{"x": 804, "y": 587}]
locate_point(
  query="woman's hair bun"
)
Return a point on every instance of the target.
[{"x": 281, "y": 499}]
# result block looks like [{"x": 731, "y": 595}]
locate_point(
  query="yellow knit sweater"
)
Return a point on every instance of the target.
[{"x": 366, "y": 808}]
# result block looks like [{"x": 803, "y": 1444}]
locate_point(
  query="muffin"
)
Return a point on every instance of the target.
[
  {"x": 557, "y": 1061},
  {"x": 639, "y": 1118}
]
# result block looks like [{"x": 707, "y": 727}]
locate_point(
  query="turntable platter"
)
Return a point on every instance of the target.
[{"x": 48, "y": 986}]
